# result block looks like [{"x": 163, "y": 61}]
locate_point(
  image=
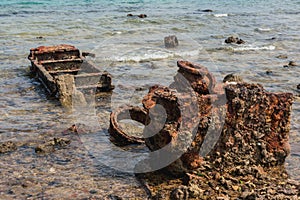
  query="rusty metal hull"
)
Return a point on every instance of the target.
[{"x": 50, "y": 62}]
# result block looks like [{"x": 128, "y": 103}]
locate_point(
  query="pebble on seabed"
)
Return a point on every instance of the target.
[{"x": 291, "y": 64}]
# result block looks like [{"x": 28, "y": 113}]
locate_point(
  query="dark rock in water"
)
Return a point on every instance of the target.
[
  {"x": 232, "y": 78},
  {"x": 298, "y": 86},
  {"x": 234, "y": 40},
  {"x": 281, "y": 56},
  {"x": 61, "y": 142},
  {"x": 171, "y": 41},
  {"x": 45, "y": 148},
  {"x": 269, "y": 72},
  {"x": 139, "y": 16},
  {"x": 85, "y": 54},
  {"x": 207, "y": 10},
  {"x": 240, "y": 41},
  {"x": 8, "y": 146},
  {"x": 231, "y": 39},
  {"x": 50, "y": 146},
  {"x": 142, "y": 15},
  {"x": 292, "y": 63},
  {"x": 39, "y": 37}
]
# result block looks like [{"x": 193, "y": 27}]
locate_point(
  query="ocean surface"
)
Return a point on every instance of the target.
[{"x": 132, "y": 50}]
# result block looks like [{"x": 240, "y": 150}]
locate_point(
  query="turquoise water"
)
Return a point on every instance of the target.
[{"x": 132, "y": 50}]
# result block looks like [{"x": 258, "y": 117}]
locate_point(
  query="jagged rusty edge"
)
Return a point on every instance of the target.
[
  {"x": 197, "y": 70},
  {"x": 119, "y": 136},
  {"x": 265, "y": 142}
]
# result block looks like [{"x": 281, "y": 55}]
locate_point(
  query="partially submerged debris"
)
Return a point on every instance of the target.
[
  {"x": 65, "y": 73},
  {"x": 247, "y": 120},
  {"x": 231, "y": 140},
  {"x": 119, "y": 135}
]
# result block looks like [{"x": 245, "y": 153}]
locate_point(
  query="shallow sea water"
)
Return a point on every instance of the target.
[{"x": 132, "y": 50}]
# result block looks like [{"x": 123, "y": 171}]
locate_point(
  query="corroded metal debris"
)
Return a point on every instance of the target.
[
  {"x": 120, "y": 136},
  {"x": 239, "y": 123},
  {"x": 64, "y": 71}
]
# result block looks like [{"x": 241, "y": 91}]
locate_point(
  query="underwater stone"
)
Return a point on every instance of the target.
[
  {"x": 171, "y": 41},
  {"x": 7, "y": 146}
]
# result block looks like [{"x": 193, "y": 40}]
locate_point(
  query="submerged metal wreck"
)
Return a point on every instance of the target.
[
  {"x": 237, "y": 122},
  {"x": 65, "y": 73}
]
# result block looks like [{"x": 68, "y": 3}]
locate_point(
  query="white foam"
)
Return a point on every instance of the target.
[
  {"x": 152, "y": 54},
  {"x": 254, "y": 48},
  {"x": 263, "y": 29},
  {"x": 221, "y": 15}
]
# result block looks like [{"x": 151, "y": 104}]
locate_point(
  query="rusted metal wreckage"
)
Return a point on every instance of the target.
[
  {"x": 236, "y": 122},
  {"x": 64, "y": 72}
]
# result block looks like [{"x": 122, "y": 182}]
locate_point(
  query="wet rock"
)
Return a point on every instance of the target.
[
  {"x": 51, "y": 145},
  {"x": 45, "y": 148},
  {"x": 269, "y": 72},
  {"x": 180, "y": 193},
  {"x": 195, "y": 191},
  {"x": 207, "y": 10},
  {"x": 248, "y": 196},
  {"x": 140, "y": 15},
  {"x": 114, "y": 197},
  {"x": 234, "y": 40},
  {"x": 292, "y": 63},
  {"x": 171, "y": 41},
  {"x": 159, "y": 196},
  {"x": 85, "y": 54},
  {"x": 7, "y": 146},
  {"x": 282, "y": 56},
  {"x": 232, "y": 78},
  {"x": 39, "y": 37}
]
